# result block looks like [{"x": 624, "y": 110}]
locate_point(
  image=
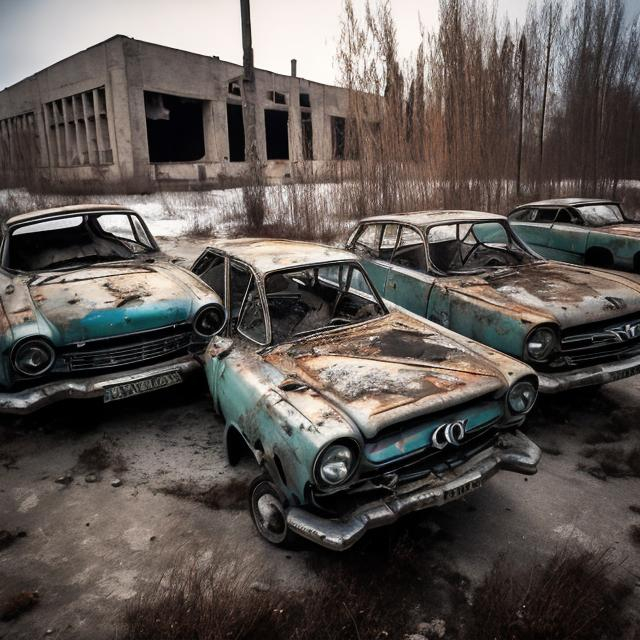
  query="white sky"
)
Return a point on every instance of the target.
[{"x": 37, "y": 33}]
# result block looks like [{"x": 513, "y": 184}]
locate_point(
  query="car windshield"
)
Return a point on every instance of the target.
[
  {"x": 76, "y": 240},
  {"x": 305, "y": 300},
  {"x": 598, "y": 215},
  {"x": 475, "y": 246}
]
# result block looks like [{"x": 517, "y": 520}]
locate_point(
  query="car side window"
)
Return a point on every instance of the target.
[
  {"x": 410, "y": 251},
  {"x": 213, "y": 273},
  {"x": 240, "y": 278},
  {"x": 546, "y": 215},
  {"x": 251, "y": 323},
  {"x": 524, "y": 215},
  {"x": 388, "y": 241},
  {"x": 367, "y": 240}
]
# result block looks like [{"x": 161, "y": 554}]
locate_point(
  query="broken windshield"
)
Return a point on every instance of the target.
[
  {"x": 305, "y": 300},
  {"x": 474, "y": 247},
  {"x": 77, "y": 240}
]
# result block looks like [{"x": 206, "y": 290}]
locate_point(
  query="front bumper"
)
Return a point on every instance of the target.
[
  {"x": 598, "y": 374},
  {"x": 513, "y": 452},
  {"x": 29, "y": 400}
]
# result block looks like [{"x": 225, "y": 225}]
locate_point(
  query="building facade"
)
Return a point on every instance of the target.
[{"x": 127, "y": 112}]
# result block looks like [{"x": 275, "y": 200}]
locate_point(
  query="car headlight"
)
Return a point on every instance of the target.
[
  {"x": 522, "y": 396},
  {"x": 209, "y": 320},
  {"x": 32, "y": 357},
  {"x": 541, "y": 343},
  {"x": 335, "y": 465}
]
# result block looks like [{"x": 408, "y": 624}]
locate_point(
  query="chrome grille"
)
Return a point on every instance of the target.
[{"x": 133, "y": 353}]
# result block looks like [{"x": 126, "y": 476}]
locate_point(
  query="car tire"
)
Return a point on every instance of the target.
[{"x": 268, "y": 510}]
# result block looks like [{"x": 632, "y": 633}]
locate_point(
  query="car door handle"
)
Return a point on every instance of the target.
[{"x": 392, "y": 284}]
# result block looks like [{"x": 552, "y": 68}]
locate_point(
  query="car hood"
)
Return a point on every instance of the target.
[
  {"x": 556, "y": 292},
  {"x": 629, "y": 230},
  {"x": 110, "y": 300},
  {"x": 387, "y": 370}
]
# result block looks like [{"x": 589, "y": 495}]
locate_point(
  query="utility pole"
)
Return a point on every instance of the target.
[{"x": 522, "y": 50}]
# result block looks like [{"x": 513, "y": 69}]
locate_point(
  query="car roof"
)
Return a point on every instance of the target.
[
  {"x": 266, "y": 254},
  {"x": 42, "y": 214},
  {"x": 567, "y": 202},
  {"x": 434, "y": 217}
]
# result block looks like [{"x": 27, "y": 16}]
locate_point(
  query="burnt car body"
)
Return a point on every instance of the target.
[
  {"x": 468, "y": 271},
  {"x": 90, "y": 307},
  {"x": 356, "y": 414},
  {"x": 581, "y": 231}
]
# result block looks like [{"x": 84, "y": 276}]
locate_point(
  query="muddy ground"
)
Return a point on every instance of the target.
[{"x": 90, "y": 546}]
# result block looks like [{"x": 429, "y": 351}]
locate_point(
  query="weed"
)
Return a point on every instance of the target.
[{"x": 99, "y": 457}]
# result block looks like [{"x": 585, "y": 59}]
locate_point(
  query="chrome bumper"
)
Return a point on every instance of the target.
[
  {"x": 514, "y": 452},
  {"x": 35, "y": 398},
  {"x": 598, "y": 374}
]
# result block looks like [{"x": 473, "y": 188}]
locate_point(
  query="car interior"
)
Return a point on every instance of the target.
[{"x": 69, "y": 241}]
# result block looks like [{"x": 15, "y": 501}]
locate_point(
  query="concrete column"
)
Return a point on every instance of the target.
[
  {"x": 220, "y": 130},
  {"x": 67, "y": 133},
  {"x": 211, "y": 151},
  {"x": 295, "y": 124},
  {"x": 86, "y": 113}
]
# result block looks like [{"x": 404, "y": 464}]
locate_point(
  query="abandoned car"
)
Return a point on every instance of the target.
[
  {"x": 356, "y": 414},
  {"x": 89, "y": 307},
  {"x": 468, "y": 271},
  {"x": 580, "y": 231}
]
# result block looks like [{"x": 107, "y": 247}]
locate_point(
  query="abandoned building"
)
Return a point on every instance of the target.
[{"x": 132, "y": 112}]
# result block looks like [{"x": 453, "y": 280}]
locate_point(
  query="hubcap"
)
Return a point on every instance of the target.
[{"x": 270, "y": 517}]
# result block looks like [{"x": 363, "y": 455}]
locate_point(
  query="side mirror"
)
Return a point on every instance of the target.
[{"x": 220, "y": 347}]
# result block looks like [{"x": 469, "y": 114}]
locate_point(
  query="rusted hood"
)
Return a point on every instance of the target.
[
  {"x": 109, "y": 300},
  {"x": 387, "y": 370},
  {"x": 558, "y": 292},
  {"x": 629, "y": 230}
]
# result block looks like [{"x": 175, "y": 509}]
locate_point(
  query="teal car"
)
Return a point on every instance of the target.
[
  {"x": 580, "y": 231},
  {"x": 468, "y": 271},
  {"x": 355, "y": 413},
  {"x": 90, "y": 307}
]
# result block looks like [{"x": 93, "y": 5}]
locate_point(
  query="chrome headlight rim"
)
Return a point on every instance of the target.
[
  {"x": 520, "y": 386},
  {"x": 40, "y": 341},
  {"x": 550, "y": 331},
  {"x": 218, "y": 308},
  {"x": 354, "y": 449}
]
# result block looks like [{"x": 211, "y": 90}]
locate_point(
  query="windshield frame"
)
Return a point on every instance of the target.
[
  {"x": 261, "y": 283},
  {"x": 513, "y": 237},
  {"x": 11, "y": 229}
]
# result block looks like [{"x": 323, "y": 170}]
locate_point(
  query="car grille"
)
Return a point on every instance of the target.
[
  {"x": 601, "y": 343},
  {"x": 133, "y": 349}
]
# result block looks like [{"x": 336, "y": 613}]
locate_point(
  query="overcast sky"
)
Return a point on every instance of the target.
[{"x": 37, "y": 33}]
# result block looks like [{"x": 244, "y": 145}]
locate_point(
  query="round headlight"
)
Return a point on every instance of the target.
[
  {"x": 335, "y": 464},
  {"x": 209, "y": 320},
  {"x": 32, "y": 357},
  {"x": 541, "y": 343},
  {"x": 522, "y": 396}
]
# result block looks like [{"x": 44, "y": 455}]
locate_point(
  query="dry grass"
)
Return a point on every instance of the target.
[{"x": 570, "y": 596}]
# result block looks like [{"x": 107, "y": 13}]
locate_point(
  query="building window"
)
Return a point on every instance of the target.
[
  {"x": 175, "y": 128},
  {"x": 234, "y": 89},
  {"x": 305, "y": 100},
  {"x": 276, "y": 125},
  {"x": 77, "y": 129},
  {"x": 307, "y": 135},
  {"x": 277, "y": 97},
  {"x": 19, "y": 143},
  {"x": 337, "y": 137},
  {"x": 235, "y": 132}
]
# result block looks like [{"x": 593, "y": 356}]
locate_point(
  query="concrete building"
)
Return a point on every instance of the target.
[{"x": 133, "y": 113}]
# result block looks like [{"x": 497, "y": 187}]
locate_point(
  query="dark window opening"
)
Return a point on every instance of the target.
[
  {"x": 307, "y": 136},
  {"x": 277, "y": 97},
  {"x": 276, "y": 125},
  {"x": 337, "y": 137},
  {"x": 305, "y": 100},
  {"x": 175, "y": 130},
  {"x": 235, "y": 129},
  {"x": 234, "y": 89}
]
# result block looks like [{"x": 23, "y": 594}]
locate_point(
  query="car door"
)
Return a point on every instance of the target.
[
  {"x": 567, "y": 239},
  {"x": 408, "y": 284},
  {"x": 533, "y": 227}
]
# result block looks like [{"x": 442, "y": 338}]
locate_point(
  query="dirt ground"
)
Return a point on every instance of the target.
[{"x": 90, "y": 546}]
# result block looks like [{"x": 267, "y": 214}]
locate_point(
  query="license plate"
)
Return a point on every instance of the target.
[
  {"x": 625, "y": 373},
  {"x": 144, "y": 385},
  {"x": 457, "y": 492}
]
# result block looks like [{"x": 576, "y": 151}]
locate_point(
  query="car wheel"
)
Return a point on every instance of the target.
[{"x": 268, "y": 512}]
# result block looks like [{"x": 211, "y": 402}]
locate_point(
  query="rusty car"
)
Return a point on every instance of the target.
[
  {"x": 582, "y": 231},
  {"x": 468, "y": 271},
  {"x": 90, "y": 307},
  {"x": 356, "y": 413}
]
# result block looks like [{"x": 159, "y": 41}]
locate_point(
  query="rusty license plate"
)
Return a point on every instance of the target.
[
  {"x": 144, "y": 385},
  {"x": 457, "y": 492}
]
